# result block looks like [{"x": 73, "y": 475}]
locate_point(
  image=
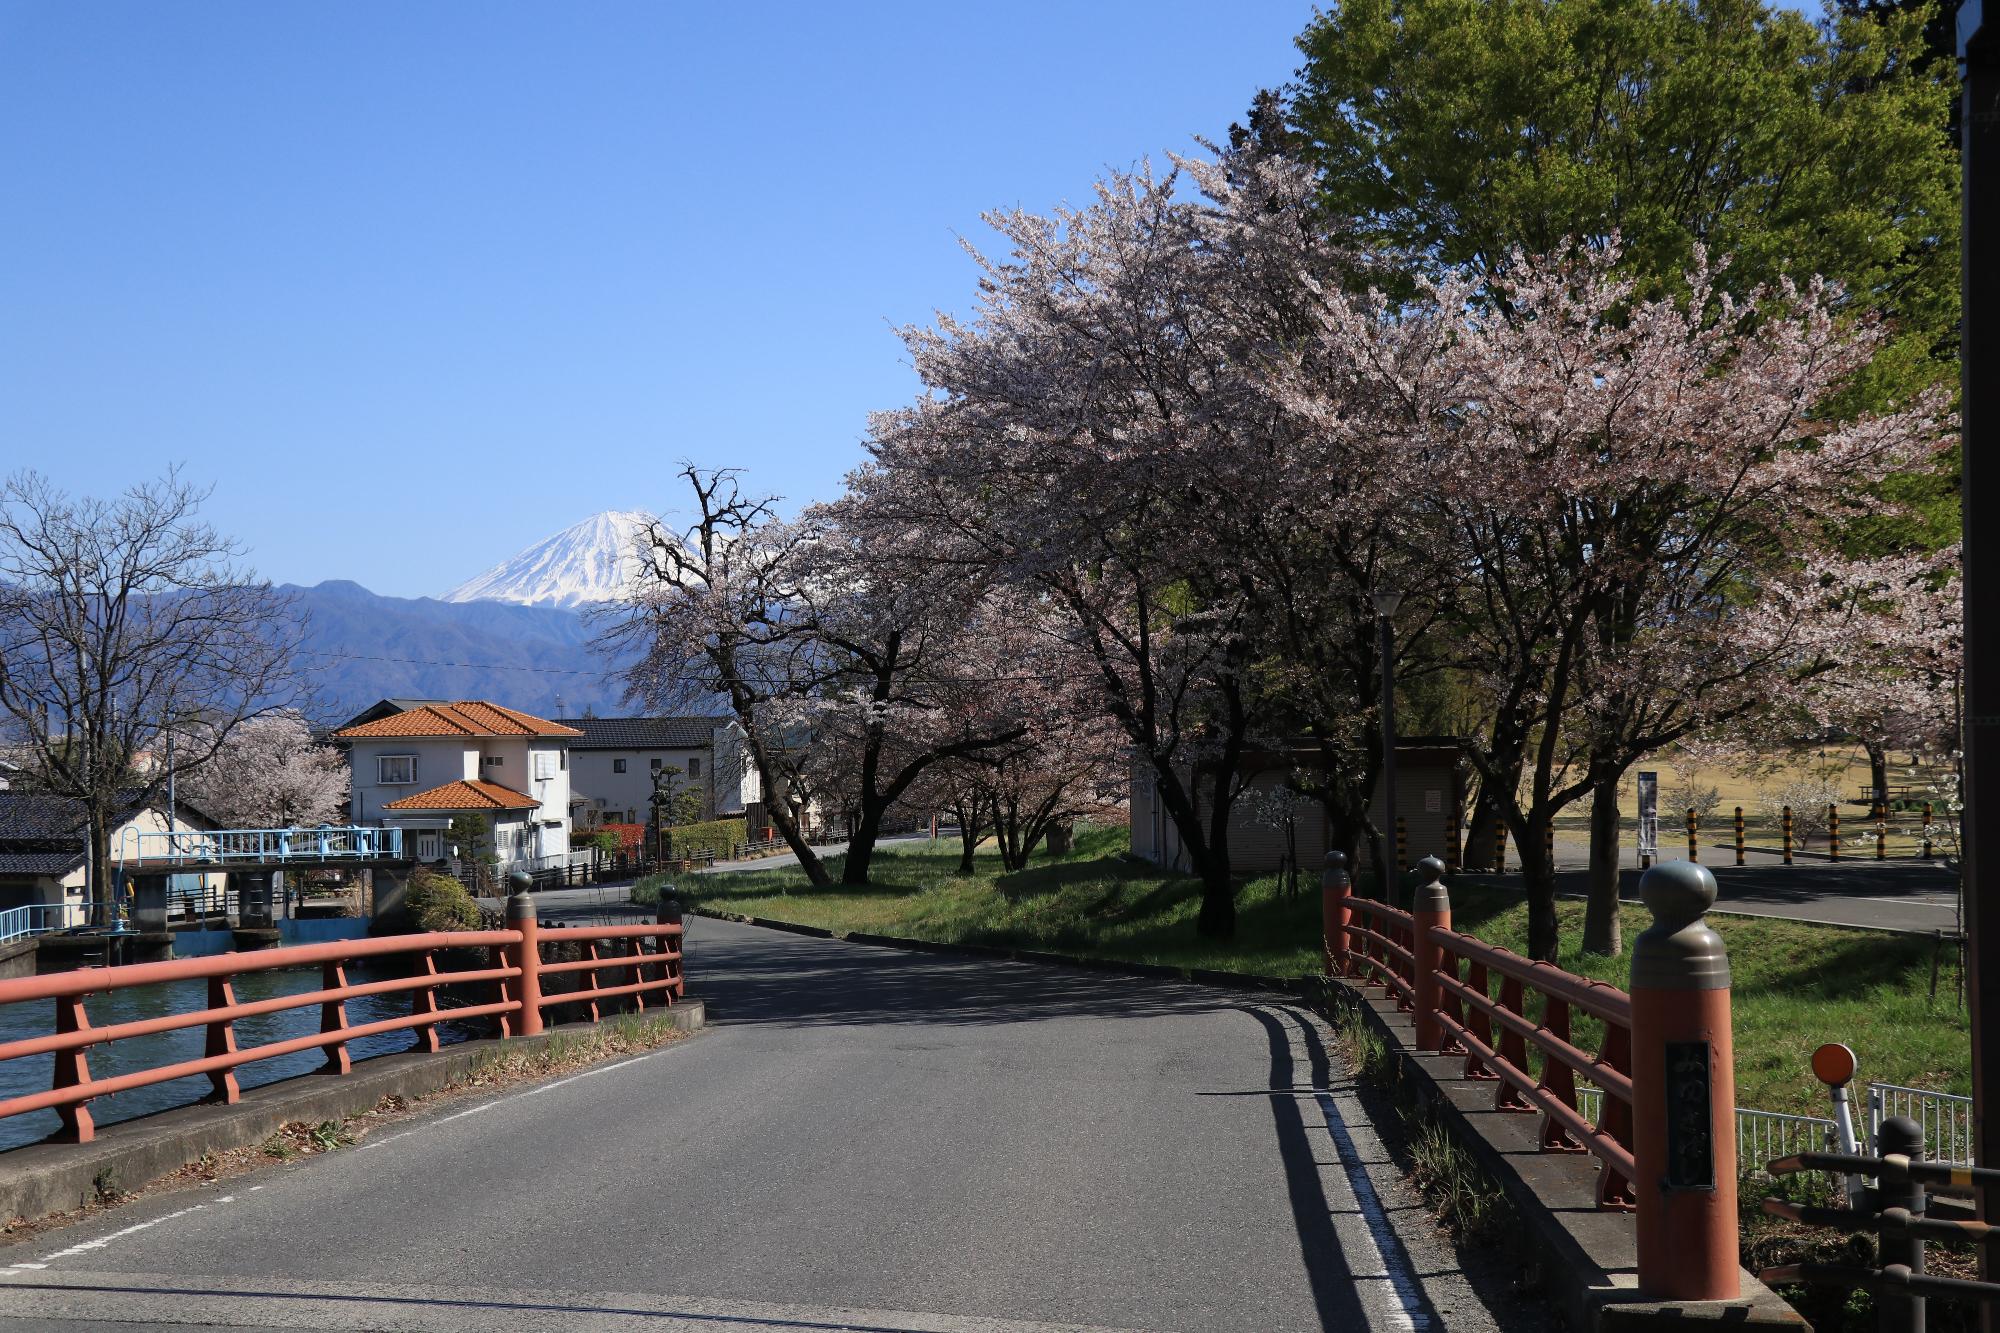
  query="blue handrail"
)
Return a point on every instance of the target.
[{"x": 266, "y": 846}]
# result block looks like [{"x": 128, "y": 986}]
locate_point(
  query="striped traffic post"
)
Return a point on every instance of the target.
[
  {"x": 1499, "y": 847},
  {"x": 1788, "y": 835},
  {"x": 1739, "y": 835},
  {"x": 1833, "y": 832},
  {"x": 1694, "y": 841},
  {"x": 1402, "y": 845}
]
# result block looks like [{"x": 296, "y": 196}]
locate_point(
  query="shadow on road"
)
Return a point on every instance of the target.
[{"x": 750, "y": 976}]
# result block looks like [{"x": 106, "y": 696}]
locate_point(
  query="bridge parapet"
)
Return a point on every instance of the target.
[{"x": 649, "y": 954}]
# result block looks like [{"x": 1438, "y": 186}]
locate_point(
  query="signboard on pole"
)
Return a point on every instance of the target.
[{"x": 1649, "y": 817}]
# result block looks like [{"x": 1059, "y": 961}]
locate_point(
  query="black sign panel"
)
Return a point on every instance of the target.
[{"x": 1690, "y": 1136}]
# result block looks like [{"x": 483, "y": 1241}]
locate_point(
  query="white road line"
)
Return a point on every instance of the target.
[
  {"x": 86, "y": 1246},
  {"x": 1408, "y": 1312},
  {"x": 504, "y": 1099}
]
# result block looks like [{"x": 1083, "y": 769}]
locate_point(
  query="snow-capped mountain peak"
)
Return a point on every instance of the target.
[{"x": 594, "y": 561}]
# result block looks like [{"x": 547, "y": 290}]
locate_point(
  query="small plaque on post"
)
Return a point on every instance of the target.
[{"x": 1690, "y": 1123}]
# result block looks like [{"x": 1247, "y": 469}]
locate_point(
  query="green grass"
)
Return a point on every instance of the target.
[{"x": 1796, "y": 985}]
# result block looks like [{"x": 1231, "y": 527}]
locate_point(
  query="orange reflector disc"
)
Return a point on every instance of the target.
[{"x": 1833, "y": 1064}]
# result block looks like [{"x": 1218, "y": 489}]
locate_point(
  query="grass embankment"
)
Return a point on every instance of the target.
[{"x": 1796, "y": 985}]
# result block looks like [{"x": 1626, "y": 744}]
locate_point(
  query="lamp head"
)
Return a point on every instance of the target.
[{"x": 1387, "y": 600}]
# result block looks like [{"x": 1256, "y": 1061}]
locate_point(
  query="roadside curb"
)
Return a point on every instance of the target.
[{"x": 38, "y": 1179}]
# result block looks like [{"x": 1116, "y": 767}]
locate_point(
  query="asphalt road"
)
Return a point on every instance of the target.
[
  {"x": 866, "y": 1140},
  {"x": 1891, "y": 895}
]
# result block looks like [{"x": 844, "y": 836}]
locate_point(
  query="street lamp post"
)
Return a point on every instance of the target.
[
  {"x": 1386, "y": 601},
  {"x": 1979, "y": 448}
]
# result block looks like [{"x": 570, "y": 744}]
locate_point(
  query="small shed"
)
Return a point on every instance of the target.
[{"x": 1267, "y": 826}]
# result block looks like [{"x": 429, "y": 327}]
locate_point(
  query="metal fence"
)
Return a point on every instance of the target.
[
  {"x": 32, "y": 919},
  {"x": 1946, "y": 1118},
  {"x": 1762, "y": 1135}
]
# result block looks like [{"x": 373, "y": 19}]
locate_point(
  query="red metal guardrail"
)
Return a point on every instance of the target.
[
  {"x": 1665, "y": 1137},
  {"x": 516, "y": 966},
  {"x": 1467, "y": 1016}
]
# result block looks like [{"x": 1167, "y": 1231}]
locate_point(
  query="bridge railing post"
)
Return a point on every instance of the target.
[
  {"x": 1335, "y": 889},
  {"x": 1683, "y": 1093},
  {"x": 526, "y": 955},
  {"x": 1431, "y": 906}
]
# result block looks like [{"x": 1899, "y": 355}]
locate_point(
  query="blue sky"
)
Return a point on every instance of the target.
[{"x": 416, "y": 284}]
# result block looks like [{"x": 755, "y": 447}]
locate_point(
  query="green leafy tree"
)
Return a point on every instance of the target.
[{"x": 1461, "y": 130}]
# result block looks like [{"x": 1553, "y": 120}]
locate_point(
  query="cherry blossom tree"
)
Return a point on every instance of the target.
[
  {"x": 838, "y": 646},
  {"x": 1638, "y": 494},
  {"x": 714, "y": 611},
  {"x": 269, "y": 773},
  {"x": 1082, "y": 437}
]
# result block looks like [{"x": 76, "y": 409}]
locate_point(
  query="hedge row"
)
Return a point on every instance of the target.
[{"x": 720, "y": 836}]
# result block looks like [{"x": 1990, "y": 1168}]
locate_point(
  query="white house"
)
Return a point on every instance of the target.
[
  {"x": 617, "y": 760},
  {"x": 418, "y": 768}
]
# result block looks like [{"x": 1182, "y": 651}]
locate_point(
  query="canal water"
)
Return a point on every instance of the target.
[{"x": 37, "y": 1018}]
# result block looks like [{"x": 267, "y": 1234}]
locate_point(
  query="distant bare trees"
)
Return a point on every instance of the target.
[{"x": 123, "y": 621}]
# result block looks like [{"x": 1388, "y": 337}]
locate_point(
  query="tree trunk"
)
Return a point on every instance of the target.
[
  {"x": 1217, "y": 920},
  {"x": 1601, "y": 932},
  {"x": 968, "y": 837},
  {"x": 1539, "y": 873},
  {"x": 861, "y": 846},
  {"x": 1878, "y": 770},
  {"x": 1477, "y": 854},
  {"x": 1061, "y": 838},
  {"x": 97, "y": 871}
]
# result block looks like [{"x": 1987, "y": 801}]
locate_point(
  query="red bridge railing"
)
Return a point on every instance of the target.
[
  {"x": 649, "y": 956},
  {"x": 1665, "y": 1136}
]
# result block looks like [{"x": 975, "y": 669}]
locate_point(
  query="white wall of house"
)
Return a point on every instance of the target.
[
  {"x": 619, "y": 783},
  {"x": 433, "y": 761}
]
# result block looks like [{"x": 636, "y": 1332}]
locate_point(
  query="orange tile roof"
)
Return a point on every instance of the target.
[
  {"x": 465, "y": 795},
  {"x": 466, "y": 717}
]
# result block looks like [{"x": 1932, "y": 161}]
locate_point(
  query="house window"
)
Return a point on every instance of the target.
[
  {"x": 491, "y": 761},
  {"x": 617, "y": 765},
  {"x": 395, "y": 770},
  {"x": 562, "y": 760},
  {"x": 545, "y": 765},
  {"x": 694, "y": 767},
  {"x": 656, "y": 761},
  {"x": 429, "y": 847}
]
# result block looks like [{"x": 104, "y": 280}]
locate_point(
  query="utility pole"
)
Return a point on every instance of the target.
[{"x": 1979, "y": 365}]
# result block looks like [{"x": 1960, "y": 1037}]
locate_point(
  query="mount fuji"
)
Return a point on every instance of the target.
[{"x": 594, "y": 561}]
